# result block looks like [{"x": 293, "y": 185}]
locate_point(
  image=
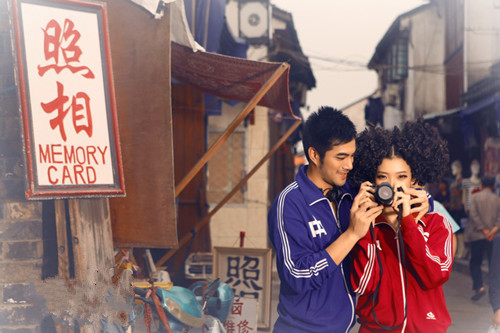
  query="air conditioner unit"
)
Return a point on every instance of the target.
[
  {"x": 199, "y": 265},
  {"x": 254, "y": 21}
]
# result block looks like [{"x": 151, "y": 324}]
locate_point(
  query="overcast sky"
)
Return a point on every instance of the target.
[{"x": 345, "y": 32}]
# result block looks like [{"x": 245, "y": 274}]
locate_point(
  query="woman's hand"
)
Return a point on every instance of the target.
[
  {"x": 419, "y": 202},
  {"x": 402, "y": 199}
]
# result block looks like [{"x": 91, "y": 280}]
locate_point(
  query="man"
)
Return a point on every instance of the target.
[
  {"x": 484, "y": 224},
  {"x": 313, "y": 224}
]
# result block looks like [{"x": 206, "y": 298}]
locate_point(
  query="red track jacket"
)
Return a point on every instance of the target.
[{"x": 428, "y": 261}]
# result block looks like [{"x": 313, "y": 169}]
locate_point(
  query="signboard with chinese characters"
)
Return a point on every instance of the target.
[
  {"x": 248, "y": 272},
  {"x": 67, "y": 99},
  {"x": 243, "y": 316}
]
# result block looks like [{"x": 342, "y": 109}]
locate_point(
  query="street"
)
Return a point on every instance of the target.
[{"x": 467, "y": 316}]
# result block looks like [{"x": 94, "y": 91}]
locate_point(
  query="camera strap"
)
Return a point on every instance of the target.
[{"x": 376, "y": 292}]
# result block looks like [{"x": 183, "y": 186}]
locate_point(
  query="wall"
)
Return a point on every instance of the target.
[
  {"x": 482, "y": 38},
  {"x": 250, "y": 216},
  {"x": 21, "y": 229},
  {"x": 21, "y": 247},
  {"x": 31, "y": 248},
  {"x": 356, "y": 112},
  {"x": 425, "y": 86}
]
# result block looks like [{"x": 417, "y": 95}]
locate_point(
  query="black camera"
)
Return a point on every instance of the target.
[{"x": 384, "y": 193}]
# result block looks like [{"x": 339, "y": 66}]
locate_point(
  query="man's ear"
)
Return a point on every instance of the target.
[{"x": 313, "y": 156}]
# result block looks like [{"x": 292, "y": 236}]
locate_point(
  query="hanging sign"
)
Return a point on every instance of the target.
[{"x": 67, "y": 99}]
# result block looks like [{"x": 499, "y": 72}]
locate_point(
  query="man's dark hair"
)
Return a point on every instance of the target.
[
  {"x": 326, "y": 128},
  {"x": 487, "y": 181}
]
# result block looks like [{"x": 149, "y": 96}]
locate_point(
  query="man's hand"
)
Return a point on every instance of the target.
[
  {"x": 492, "y": 233},
  {"x": 364, "y": 211},
  {"x": 496, "y": 319}
]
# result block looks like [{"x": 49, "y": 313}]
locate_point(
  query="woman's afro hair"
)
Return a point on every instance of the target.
[{"x": 418, "y": 143}]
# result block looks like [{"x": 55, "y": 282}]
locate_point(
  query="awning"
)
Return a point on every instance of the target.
[
  {"x": 429, "y": 116},
  {"x": 230, "y": 77},
  {"x": 482, "y": 104}
]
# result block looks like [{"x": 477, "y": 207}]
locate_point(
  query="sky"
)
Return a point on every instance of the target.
[{"x": 339, "y": 37}]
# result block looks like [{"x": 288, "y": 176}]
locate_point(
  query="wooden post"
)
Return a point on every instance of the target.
[
  {"x": 62, "y": 240},
  {"x": 206, "y": 220}
]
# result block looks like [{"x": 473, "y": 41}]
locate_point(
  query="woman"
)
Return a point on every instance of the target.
[{"x": 400, "y": 266}]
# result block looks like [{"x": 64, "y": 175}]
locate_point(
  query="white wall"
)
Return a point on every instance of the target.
[
  {"x": 425, "y": 86},
  {"x": 250, "y": 216},
  {"x": 482, "y": 37},
  {"x": 356, "y": 113}
]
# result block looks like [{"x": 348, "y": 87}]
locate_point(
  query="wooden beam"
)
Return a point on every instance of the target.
[
  {"x": 62, "y": 240},
  {"x": 243, "y": 181},
  {"x": 230, "y": 129}
]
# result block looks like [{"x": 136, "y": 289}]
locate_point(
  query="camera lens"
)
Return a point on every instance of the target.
[{"x": 384, "y": 194}]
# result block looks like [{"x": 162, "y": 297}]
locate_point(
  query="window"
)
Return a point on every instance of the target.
[
  {"x": 396, "y": 61},
  {"x": 226, "y": 168}
]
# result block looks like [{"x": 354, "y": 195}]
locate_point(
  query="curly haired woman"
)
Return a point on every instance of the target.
[{"x": 400, "y": 266}]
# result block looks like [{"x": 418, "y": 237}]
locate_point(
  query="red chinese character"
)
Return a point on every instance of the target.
[
  {"x": 82, "y": 116},
  {"x": 243, "y": 327},
  {"x": 230, "y": 326},
  {"x": 58, "y": 42},
  {"x": 58, "y": 105},
  {"x": 236, "y": 308}
]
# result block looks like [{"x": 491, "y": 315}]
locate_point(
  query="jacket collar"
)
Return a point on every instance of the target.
[
  {"x": 313, "y": 194},
  {"x": 423, "y": 221}
]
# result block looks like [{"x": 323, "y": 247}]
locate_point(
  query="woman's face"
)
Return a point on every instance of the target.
[{"x": 395, "y": 171}]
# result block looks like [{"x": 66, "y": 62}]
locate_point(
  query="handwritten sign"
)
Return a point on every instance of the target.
[
  {"x": 243, "y": 316},
  {"x": 248, "y": 272},
  {"x": 67, "y": 99}
]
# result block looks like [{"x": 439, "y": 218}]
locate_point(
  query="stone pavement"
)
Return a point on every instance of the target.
[{"x": 467, "y": 316}]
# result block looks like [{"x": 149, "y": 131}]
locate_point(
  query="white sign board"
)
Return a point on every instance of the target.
[
  {"x": 243, "y": 316},
  {"x": 67, "y": 99}
]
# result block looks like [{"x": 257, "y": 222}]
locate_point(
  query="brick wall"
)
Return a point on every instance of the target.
[{"x": 21, "y": 246}]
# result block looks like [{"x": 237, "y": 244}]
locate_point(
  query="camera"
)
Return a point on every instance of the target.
[{"x": 384, "y": 193}]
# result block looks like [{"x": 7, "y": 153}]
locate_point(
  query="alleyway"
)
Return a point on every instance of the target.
[{"x": 467, "y": 316}]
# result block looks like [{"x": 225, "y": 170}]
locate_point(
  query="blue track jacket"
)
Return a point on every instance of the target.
[{"x": 315, "y": 293}]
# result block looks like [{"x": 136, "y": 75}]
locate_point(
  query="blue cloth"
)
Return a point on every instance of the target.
[
  {"x": 439, "y": 208},
  {"x": 315, "y": 293}
]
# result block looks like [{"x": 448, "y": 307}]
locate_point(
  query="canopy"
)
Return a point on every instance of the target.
[{"x": 230, "y": 77}]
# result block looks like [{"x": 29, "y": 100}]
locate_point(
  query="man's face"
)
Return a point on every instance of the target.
[{"x": 337, "y": 163}]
